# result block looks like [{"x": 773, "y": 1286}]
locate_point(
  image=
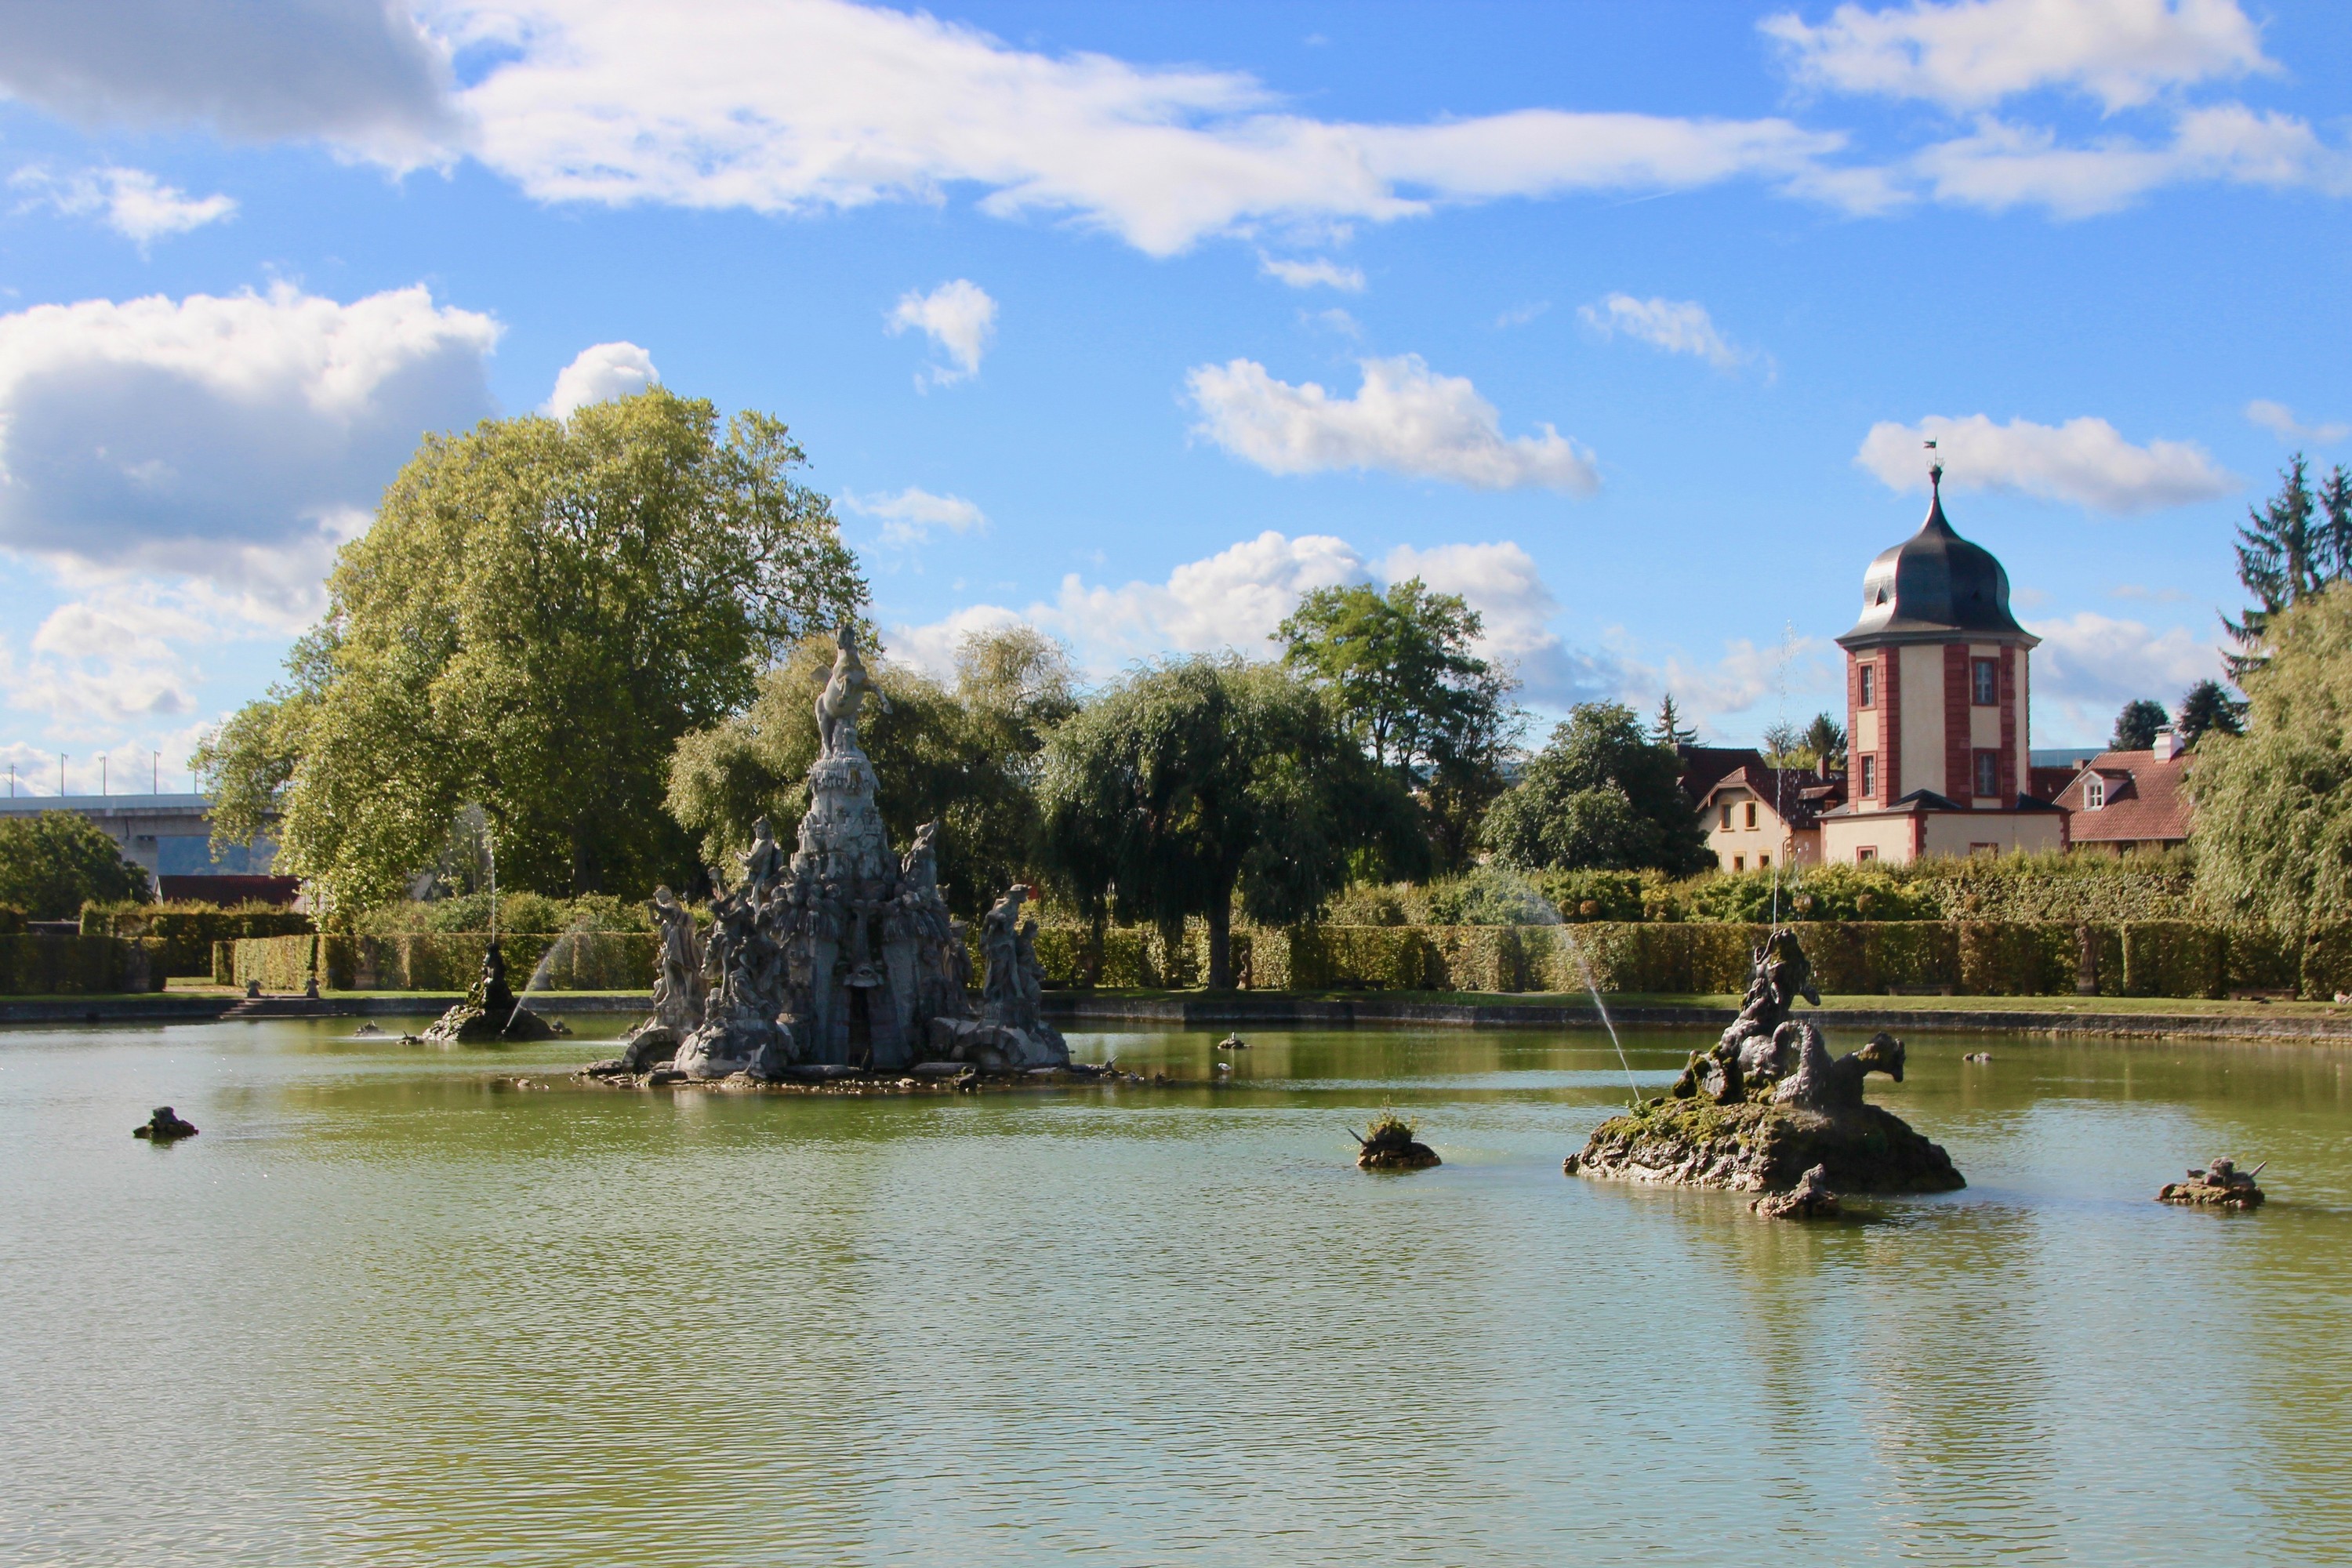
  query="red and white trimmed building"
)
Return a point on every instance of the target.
[{"x": 1938, "y": 686}]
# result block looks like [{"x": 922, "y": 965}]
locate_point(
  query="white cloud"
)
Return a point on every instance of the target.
[
  {"x": 2090, "y": 664},
  {"x": 788, "y": 106},
  {"x": 237, "y": 439},
  {"x": 1318, "y": 273},
  {"x": 2084, "y": 462},
  {"x": 1503, "y": 583},
  {"x": 122, "y": 654},
  {"x": 2000, "y": 165},
  {"x": 909, "y": 516},
  {"x": 600, "y": 373},
  {"x": 361, "y": 73},
  {"x": 1676, "y": 326},
  {"x": 957, "y": 317},
  {"x": 2280, "y": 420},
  {"x": 932, "y": 647},
  {"x": 133, "y": 203},
  {"x": 1972, "y": 53},
  {"x": 1404, "y": 419}
]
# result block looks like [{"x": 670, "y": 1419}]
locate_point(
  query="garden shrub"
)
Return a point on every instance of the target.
[
  {"x": 2172, "y": 958},
  {"x": 189, "y": 930},
  {"x": 36, "y": 963}
]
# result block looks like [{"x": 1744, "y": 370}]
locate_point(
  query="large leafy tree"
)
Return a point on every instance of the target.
[
  {"x": 1198, "y": 783},
  {"x": 1403, "y": 669},
  {"x": 53, "y": 863},
  {"x": 2137, "y": 724},
  {"x": 1601, "y": 796},
  {"x": 540, "y": 611},
  {"x": 966, "y": 755},
  {"x": 2297, "y": 543},
  {"x": 2273, "y": 828}
]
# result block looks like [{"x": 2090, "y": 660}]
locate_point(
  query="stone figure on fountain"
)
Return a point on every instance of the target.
[
  {"x": 1753, "y": 1051},
  {"x": 844, "y": 956}
]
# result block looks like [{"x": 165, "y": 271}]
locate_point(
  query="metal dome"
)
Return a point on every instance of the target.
[{"x": 1935, "y": 584}]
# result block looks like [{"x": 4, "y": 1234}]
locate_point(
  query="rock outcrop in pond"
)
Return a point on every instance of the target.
[
  {"x": 164, "y": 1125},
  {"x": 2219, "y": 1185},
  {"x": 490, "y": 1012},
  {"x": 1769, "y": 1108},
  {"x": 1388, "y": 1144}
]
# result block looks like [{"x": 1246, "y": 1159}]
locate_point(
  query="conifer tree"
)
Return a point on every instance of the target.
[
  {"x": 1668, "y": 730},
  {"x": 2295, "y": 545}
]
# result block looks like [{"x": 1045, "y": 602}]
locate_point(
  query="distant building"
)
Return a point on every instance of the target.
[
  {"x": 1758, "y": 816},
  {"x": 1938, "y": 704},
  {"x": 171, "y": 835},
  {"x": 2122, "y": 801}
]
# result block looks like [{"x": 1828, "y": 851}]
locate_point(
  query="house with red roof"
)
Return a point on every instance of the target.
[{"x": 2123, "y": 801}]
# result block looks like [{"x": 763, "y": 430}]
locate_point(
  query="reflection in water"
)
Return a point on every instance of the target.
[{"x": 389, "y": 1309}]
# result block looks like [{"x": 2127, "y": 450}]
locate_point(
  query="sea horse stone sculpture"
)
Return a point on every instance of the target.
[{"x": 844, "y": 690}]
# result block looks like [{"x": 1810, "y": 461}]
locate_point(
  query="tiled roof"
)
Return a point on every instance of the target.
[
  {"x": 2145, "y": 801},
  {"x": 1926, "y": 800},
  {"x": 1704, "y": 766},
  {"x": 1799, "y": 794}
]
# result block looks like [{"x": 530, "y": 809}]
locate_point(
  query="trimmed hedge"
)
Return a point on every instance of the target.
[
  {"x": 448, "y": 961},
  {"x": 189, "y": 932},
  {"x": 38, "y": 964}
]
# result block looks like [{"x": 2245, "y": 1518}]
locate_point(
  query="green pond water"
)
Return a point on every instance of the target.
[{"x": 390, "y": 1309}]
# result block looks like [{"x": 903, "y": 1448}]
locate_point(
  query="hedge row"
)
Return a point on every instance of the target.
[
  {"x": 189, "y": 930},
  {"x": 444, "y": 961},
  {"x": 1972, "y": 958},
  {"x": 38, "y": 965}
]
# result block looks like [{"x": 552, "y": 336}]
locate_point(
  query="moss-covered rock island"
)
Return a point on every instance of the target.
[{"x": 1768, "y": 1105}]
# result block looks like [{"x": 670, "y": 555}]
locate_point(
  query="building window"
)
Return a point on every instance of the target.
[
  {"x": 1987, "y": 683},
  {"x": 1751, "y": 814},
  {"x": 1989, "y": 772},
  {"x": 1869, "y": 778},
  {"x": 1727, "y": 819},
  {"x": 1866, "y": 675},
  {"x": 2095, "y": 793},
  {"x": 1763, "y": 862},
  {"x": 1739, "y": 862},
  {"x": 1866, "y": 853}
]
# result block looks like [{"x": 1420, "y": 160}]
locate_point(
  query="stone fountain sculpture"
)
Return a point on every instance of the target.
[
  {"x": 1768, "y": 1109},
  {"x": 844, "y": 956}
]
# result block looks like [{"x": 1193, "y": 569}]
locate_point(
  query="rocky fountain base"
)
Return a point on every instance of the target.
[
  {"x": 1769, "y": 1111},
  {"x": 491, "y": 1012}
]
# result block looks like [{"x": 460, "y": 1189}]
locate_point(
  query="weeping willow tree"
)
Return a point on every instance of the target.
[{"x": 2274, "y": 826}]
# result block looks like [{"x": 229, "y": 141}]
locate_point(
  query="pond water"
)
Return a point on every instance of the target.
[{"x": 386, "y": 1311}]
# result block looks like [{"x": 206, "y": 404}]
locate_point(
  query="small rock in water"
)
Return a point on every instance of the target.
[
  {"x": 2218, "y": 1185},
  {"x": 1388, "y": 1144},
  {"x": 367, "y": 1028},
  {"x": 1977, "y": 1057},
  {"x": 164, "y": 1125},
  {"x": 1811, "y": 1198},
  {"x": 1232, "y": 1043}
]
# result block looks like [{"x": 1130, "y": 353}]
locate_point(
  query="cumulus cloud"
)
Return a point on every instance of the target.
[
  {"x": 909, "y": 516},
  {"x": 2280, "y": 420},
  {"x": 1318, "y": 273},
  {"x": 600, "y": 373},
  {"x": 361, "y": 73},
  {"x": 957, "y": 317},
  {"x": 2000, "y": 166},
  {"x": 2084, "y": 462},
  {"x": 1503, "y": 583},
  {"x": 1675, "y": 326},
  {"x": 236, "y": 439},
  {"x": 1404, "y": 419},
  {"x": 1972, "y": 53},
  {"x": 2090, "y": 664},
  {"x": 121, "y": 653},
  {"x": 796, "y": 105},
  {"x": 133, "y": 203}
]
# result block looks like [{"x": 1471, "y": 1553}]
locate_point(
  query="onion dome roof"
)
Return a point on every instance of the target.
[{"x": 1933, "y": 584}]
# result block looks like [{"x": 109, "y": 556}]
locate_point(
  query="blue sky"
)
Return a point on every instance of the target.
[{"x": 1626, "y": 323}]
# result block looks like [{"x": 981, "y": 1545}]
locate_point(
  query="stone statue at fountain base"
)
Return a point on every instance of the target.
[
  {"x": 490, "y": 1012},
  {"x": 1760, "y": 1113}
]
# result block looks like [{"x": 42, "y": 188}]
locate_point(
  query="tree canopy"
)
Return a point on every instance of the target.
[
  {"x": 2207, "y": 707},
  {"x": 53, "y": 863},
  {"x": 2274, "y": 806},
  {"x": 2294, "y": 547},
  {"x": 2137, "y": 724},
  {"x": 1401, "y": 669},
  {"x": 1601, "y": 796},
  {"x": 966, "y": 755},
  {"x": 540, "y": 611},
  {"x": 1197, "y": 781}
]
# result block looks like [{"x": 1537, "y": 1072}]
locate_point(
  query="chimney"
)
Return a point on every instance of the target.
[{"x": 2168, "y": 744}]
